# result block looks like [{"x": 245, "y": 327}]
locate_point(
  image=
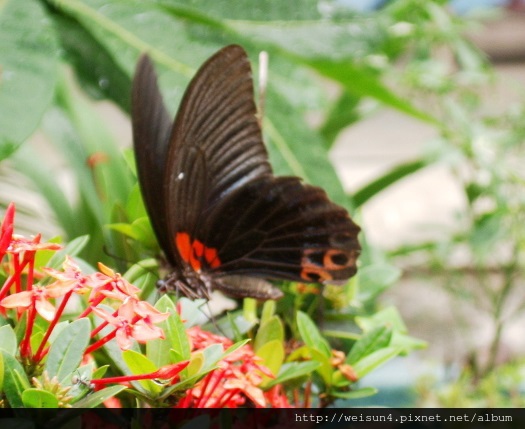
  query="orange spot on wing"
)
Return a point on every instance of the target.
[
  {"x": 183, "y": 243},
  {"x": 197, "y": 250},
  {"x": 313, "y": 273},
  {"x": 210, "y": 254}
]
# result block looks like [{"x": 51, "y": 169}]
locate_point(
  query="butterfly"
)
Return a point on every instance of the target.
[{"x": 221, "y": 217}]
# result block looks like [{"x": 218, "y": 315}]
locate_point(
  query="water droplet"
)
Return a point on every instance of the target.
[{"x": 103, "y": 82}]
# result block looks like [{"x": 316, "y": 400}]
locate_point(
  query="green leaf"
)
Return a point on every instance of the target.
[
  {"x": 296, "y": 149},
  {"x": 389, "y": 316},
  {"x": 268, "y": 311},
  {"x": 381, "y": 183},
  {"x": 407, "y": 342},
  {"x": 28, "y": 54},
  {"x": 59, "y": 327},
  {"x": 176, "y": 338},
  {"x": 140, "y": 230},
  {"x": 202, "y": 363},
  {"x": 293, "y": 370},
  {"x": 2, "y": 368},
  {"x": 140, "y": 364},
  {"x": 15, "y": 380},
  {"x": 96, "y": 398},
  {"x": 373, "y": 340},
  {"x": 269, "y": 331},
  {"x": 363, "y": 81},
  {"x": 196, "y": 364},
  {"x": 107, "y": 79},
  {"x": 342, "y": 114},
  {"x": 267, "y": 10},
  {"x": 8, "y": 341},
  {"x": 375, "y": 359},
  {"x": 364, "y": 392},
  {"x": 326, "y": 369},
  {"x": 37, "y": 398},
  {"x": 80, "y": 380},
  {"x": 67, "y": 350},
  {"x": 110, "y": 177},
  {"x": 311, "y": 335},
  {"x": 375, "y": 279},
  {"x": 100, "y": 372},
  {"x": 272, "y": 354},
  {"x": 233, "y": 325}
]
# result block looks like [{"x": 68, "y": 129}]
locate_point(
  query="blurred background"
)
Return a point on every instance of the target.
[
  {"x": 416, "y": 116},
  {"x": 447, "y": 310}
]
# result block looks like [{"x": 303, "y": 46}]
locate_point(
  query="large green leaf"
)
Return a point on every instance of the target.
[
  {"x": 292, "y": 370},
  {"x": 363, "y": 81},
  {"x": 140, "y": 364},
  {"x": 67, "y": 350},
  {"x": 271, "y": 330},
  {"x": 37, "y": 398},
  {"x": 375, "y": 279},
  {"x": 311, "y": 335},
  {"x": 95, "y": 399},
  {"x": 375, "y": 359},
  {"x": 28, "y": 55},
  {"x": 370, "y": 342},
  {"x": 15, "y": 380},
  {"x": 244, "y": 10},
  {"x": 379, "y": 184},
  {"x": 8, "y": 341}
]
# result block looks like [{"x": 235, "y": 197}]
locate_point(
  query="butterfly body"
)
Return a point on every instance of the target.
[{"x": 223, "y": 220}]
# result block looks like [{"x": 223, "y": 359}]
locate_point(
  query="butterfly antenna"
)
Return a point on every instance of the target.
[{"x": 263, "y": 80}]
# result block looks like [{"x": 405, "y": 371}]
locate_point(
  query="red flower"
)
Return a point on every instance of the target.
[
  {"x": 237, "y": 379},
  {"x": 20, "y": 245},
  {"x": 38, "y": 297},
  {"x": 131, "y": 325},
  {"x": 6, "y": 229}
]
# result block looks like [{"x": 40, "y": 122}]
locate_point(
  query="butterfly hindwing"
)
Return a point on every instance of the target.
[{"x": 281, "y": 228}]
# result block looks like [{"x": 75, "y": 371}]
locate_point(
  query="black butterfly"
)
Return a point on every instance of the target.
[{"x": 223, "y": 220}]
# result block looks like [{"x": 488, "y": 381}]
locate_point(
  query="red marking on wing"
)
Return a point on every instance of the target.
[
  {"x": 183, "y": 243},
  {"x": 313, "y": 273},
  {"x": 210, "y": 254},
  {"x": 195, "y": 252}
]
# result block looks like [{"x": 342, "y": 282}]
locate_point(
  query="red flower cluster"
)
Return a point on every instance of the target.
[
  {"x": 237, "y": 379},
  {"x": 134, "y": 319}
]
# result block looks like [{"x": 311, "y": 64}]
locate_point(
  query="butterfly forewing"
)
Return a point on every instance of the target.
[
  {"x": 224, "y": 216},
  {"x": 152, "y": 126}
]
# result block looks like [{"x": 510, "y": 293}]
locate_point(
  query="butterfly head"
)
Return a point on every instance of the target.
[{"x": 192, "y": 284}]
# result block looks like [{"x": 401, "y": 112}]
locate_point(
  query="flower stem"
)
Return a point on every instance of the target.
[
  {"x": 25, "y": 347},
  {"x": 39, "y": 354},
  {"x": 96, "y": 345}
]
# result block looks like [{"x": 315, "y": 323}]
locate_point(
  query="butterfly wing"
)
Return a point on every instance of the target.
[
  {"x": 216, "y": 141},
  {"x": 281, "y": 228},
  {"x": 152, "y": 126}
]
